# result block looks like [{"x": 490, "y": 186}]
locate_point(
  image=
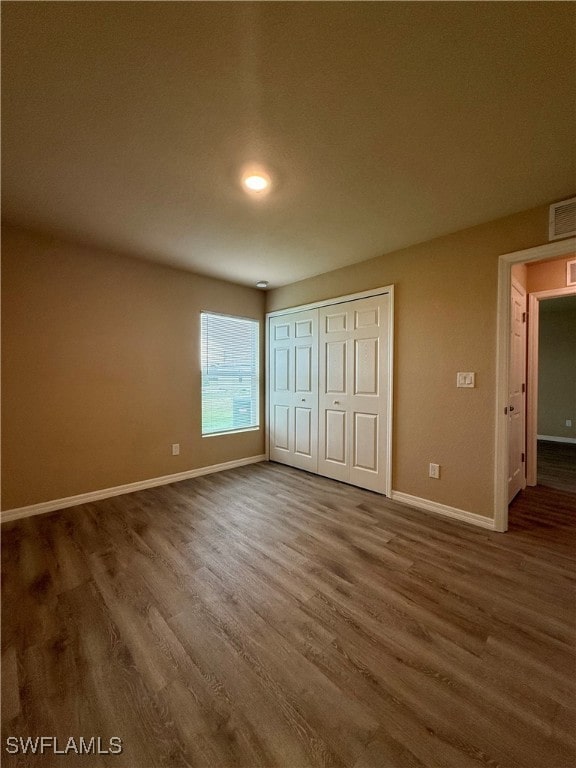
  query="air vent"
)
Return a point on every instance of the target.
[
  {"x": 571, "y": 272},
  {"x": 563, "y": 219}
]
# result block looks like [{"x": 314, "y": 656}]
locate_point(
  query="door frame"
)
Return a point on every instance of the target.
[
  {"x": 505, "y": 262},
  {"x": 387, "y": 289},
  {"x": 534, "y": 300}
]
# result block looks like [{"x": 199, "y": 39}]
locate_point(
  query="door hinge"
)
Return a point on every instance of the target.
[
  {"x": 524, "y": 316},
  {"x": 523, "y": 388},
  {"x": 523, "y": 458}
]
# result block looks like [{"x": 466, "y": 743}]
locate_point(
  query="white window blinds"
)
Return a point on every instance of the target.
[{"x": 230, "y": 373}]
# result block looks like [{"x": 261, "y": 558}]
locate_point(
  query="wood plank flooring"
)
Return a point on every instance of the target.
[
  {"x": 557, "y": 465},
  {"x": 268, "y": 617}
]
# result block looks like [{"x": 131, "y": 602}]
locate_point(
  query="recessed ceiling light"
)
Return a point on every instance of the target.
[
  {"x": 256, "y": 182},
  {"x": 262, "y": 284}
]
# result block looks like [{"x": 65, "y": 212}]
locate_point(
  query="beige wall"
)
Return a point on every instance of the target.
[
  {"x": 520, "y": 274},
  {"x": 547, "y": 275},
  {"x": 557, "y": 368},
  {"x": 445, "y": 315},
  {"x": 100, "y": 369}
]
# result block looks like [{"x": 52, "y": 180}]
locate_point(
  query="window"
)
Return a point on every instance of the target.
[{"x": 230, "y": 375}]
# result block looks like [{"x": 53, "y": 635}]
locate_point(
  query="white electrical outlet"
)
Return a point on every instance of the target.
[
  {"x": 175, "y": 449},
  {"x": 568, "y": 422},
  {"x": 434, "y": 471}
]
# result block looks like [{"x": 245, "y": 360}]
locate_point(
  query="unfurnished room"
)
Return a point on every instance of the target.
[{"x": 288, "y": 397}]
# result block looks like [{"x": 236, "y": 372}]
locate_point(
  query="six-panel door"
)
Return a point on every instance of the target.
[
  {"x": 353, "y": 375},
  {"x": 329, "y": 373},
  {"x": 294, "y": 389},
  {"x": 516, "y": 393}
]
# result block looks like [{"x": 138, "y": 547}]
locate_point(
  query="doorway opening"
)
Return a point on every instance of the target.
[
  {"x": 544, "y": 253},
  {"x": 551, "y": 407}
]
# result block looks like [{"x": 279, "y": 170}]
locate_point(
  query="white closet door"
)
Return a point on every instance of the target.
[
  {"x": 334, "y": 392},
  {"x": 293, "y": 388},
  {"x": 353, "y": 401}
]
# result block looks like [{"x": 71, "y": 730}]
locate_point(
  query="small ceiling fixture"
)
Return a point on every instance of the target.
[
  {"x": 256, "y": 183},
  {"x": 262, "y": 284},
  {"x": 256, "y": 180}
]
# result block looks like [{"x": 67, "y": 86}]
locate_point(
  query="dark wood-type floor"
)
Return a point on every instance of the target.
[
  {"x": 267, "y": 617},
  {"x": 557, "y": 465}
]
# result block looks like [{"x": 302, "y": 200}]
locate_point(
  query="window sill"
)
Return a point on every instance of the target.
[{"x": 232, "y": 432}]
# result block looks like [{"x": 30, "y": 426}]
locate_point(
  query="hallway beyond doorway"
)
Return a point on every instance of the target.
[{"x": 557, "y": 465}]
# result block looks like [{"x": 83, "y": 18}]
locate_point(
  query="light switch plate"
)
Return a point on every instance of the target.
[{"x": 465, "y": 379}]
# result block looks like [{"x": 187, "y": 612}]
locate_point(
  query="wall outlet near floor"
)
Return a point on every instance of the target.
[
  {"x": 175, "y": 449},
  {"x": 568, "y": 422},
  {"x": 434, "y": 471}
]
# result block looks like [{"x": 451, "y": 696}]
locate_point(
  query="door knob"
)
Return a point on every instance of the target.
[
  {"x": 336, "y": 402},
  {"x": 303, "y": 399},
  {"x": 511, "y": 408}
]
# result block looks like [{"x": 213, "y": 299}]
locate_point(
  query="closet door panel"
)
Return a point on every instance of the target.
[
  {"x": 336, "y": 430},
  {"x": 281, "y": 428},
  {"x": 293, "y": 389},
  {"x": 369, "y": 402},
  {"x": 333, "y": 459},
  {"x": 303, "y": 431},
  {"x": 366, "y": 366},
  {"x": 365, "y": 454},
  {"x": 352, "y": 392},
  {"x": 281, "y": 370},
  {"x": 335, "y": 367},
  {"x": 303, "y": 374}
]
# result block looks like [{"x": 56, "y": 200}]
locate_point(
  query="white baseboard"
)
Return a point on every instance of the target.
[
  {"x": 443, "y": 509},
  {"x": 553, "y": 439},
  {"x": 106, "y": 493}
]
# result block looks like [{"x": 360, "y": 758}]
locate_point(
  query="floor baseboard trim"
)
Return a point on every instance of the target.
[
  {"x": 443, "y": 509},
  {"x": 553, "y": 439},
  {"x": 107, "y": 493}
]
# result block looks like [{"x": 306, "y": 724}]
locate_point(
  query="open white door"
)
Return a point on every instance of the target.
[{"x": 517, "y": 393}]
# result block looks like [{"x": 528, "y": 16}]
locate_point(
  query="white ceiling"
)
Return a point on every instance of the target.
[{"x": 126, "y": 125}]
